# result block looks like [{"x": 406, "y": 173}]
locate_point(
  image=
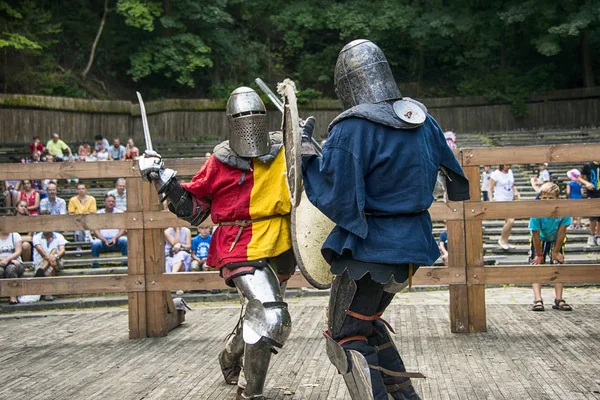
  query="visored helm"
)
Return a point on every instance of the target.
[
  {"x": 363, "y": 75},
  {"x": 247, "y": 120}
]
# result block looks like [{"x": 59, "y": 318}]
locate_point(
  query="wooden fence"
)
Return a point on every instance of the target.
[
  {"x": 24, "y": 116},
  {"x": 151, "y": 312}
]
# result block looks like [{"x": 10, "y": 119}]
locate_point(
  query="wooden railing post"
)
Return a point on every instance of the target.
[
  {"x": 474, "y": 254},
  {"x": 135, "y": 261}
]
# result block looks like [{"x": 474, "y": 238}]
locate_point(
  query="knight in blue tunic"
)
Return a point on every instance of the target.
[{"x": 375, "y": 181}]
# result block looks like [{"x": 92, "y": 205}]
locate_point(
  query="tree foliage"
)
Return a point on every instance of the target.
[{"x": 502, "y": 49}]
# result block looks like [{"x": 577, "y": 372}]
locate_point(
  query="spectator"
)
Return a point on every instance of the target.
[
  {"x": 26, "y": 238},
  {"x": 120, "y": 194},
  {"x": 200, "y": 246},
  {"x": 84, "y": 152},
  {"x": 12, "y": 194},
  {"x": 52, "y": 205},
  {"x": 548, "y": 237},
  {"x": 30, "y": 196},
  {"x": 574, "y": 193},
  {"x": 101, "y": 153},
  {"x": 178, "y": 242},
  {"x": 36, "y": 146},
  {"x": 109, "y": 239},
  {"x": 49, "y": 249},
  {"x": 450, "y": 139},
  {"x": 100, "y": 141},
  {"x": 502, "y": 186},
  {"x": 55, "y": 148},
  {"x": 444, "y": 245},
  {"x": 543, "y": 177},
  {"x": 11, "y": 266},
  {"x": 116, "y": 151},
  {"x": 131, "y": 152},
  {"x": 590, "y": 174},
  {"x": 35, "y": 157},
  {"x": 485, "y": 181},
  {"x": 81, "y": 204}
]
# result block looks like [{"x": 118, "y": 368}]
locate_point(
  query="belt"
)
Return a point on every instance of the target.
[{"x": 243, "y": 223}]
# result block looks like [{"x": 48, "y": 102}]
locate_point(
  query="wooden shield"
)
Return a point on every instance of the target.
[{"x": 292, "y": 136}]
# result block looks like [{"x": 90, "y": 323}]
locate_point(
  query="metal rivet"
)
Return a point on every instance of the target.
[
  {"x": 475, "y": 276},
  {"x": 472, "y": 211},
  {"x": 457, "y": 275},
  {"x": 471, "y": 156},
  {"x": 454, "y": 209},
  {"x": 153, "y": 283},
  {"x": 151, "y": 219},
  {"x": 135, "y": 219}
]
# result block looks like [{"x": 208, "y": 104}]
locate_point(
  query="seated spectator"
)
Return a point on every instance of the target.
[
  {"x": 543, "y": 177},
  {"x": 84, "y": 152},
  {"x": 26, "y": 238},
  {"x": 100, "y": 141},
  {"x": 30, "y": 196},
  {"x": 36, "y": 146},
  {"x": 35, "y": 157},
  {"x": 12, "y": 194},
  {"x": 120, "y": 194},
  {"x": 56, "y": 148},
  {"x": 178, "y": 242},
  {"x": 131, "y": 152},
  {"x": 49, "y": 250},
  {"x": 52, "y": 205},
  {"x": 81, "y": 204},
  {"x": 116, "y": 151},
  {"x": 11, "y": 266},
  {"x": 200, "y": 246},
  {"x": 101, "y": 154},
  {"x": 109, "y": 239}
]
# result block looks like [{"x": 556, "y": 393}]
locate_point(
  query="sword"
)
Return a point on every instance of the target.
[
  {"x": 145, "y": 123},
  {"x": 279, "y": 104}
]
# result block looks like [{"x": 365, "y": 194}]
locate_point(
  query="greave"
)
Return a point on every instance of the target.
[
  {"x": 230, "y": 357},
  {"x": 256, "y": 365}
]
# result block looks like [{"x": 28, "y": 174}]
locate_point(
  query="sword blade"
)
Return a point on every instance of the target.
[
  {"x": 279, "y": 104},
  {"x": 147, "y": 137}
]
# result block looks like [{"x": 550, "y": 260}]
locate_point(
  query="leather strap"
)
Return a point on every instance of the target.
[
  {"x": 397, "y": 374},
  {"x": 243, "y": 223},
  {"x": 375, "y": 317},
  {"x": 352, "y": 338}
]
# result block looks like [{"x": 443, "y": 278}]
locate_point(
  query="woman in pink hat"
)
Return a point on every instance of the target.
[{"x": 574, "y": 192}]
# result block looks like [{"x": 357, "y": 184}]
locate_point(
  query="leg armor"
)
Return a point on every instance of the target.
[
  {"x": 267, "y": 325},
  {"x": 230, "y": 357}
]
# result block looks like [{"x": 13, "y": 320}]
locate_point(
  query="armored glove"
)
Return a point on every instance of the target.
[
  {"x": 307, "y": 127},
  {"x": 153, "y": 170}
]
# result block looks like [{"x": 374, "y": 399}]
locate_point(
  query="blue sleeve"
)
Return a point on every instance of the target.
[
  {"x": 195, "y": 242},
  {"x": 566, "y": 221},
  {"x": 534, "y": 224},
  {"x": 443, "y": 237},
  {"x": 335, "y": 184}
]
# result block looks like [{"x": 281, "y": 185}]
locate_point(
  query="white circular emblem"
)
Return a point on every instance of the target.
[{"x": 409, "y": 112}]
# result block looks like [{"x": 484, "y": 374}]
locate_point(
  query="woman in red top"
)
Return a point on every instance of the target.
[
  {"x": 36, "y": 146},
  {"x": 31, "y": 196}
]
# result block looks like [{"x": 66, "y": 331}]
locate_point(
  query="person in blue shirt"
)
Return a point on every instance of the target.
[
  {"x": 200, "y": 246},
  {"x": 574, "y": 192},
  {"x": 375, "y": 181},
  {"x": 548, "y": 237},
  {"x": 444, "y": 246}
]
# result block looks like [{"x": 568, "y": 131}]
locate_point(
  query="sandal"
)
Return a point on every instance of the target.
[
  {"x": 538, "y": 305},
  {"x": 13, "y": 302},
  {"x": 560, "y": 304}
]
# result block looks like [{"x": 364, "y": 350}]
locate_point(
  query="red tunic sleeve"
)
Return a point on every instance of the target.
[{"x": 202, "y": 184}]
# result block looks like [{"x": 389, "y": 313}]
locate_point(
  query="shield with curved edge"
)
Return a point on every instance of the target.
[
  {"x": 292, "y": 136},
  {"x": 310, "y": 228}
]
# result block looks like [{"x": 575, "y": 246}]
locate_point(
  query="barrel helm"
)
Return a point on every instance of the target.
[
  {"x": 363, "y": 75},
  {"x": 247, "y": 120}
]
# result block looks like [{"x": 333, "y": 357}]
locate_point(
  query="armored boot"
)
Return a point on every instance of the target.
[
  {"x": 230, "y": 357},
  {"x": 256, "y": 364},
  {"x": 391, "y": 365}
]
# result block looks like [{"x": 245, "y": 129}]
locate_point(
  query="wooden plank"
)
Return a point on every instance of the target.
[
  {"x": 474, "y": 255},
  {"x": 529, "y": 154},
  {"x": 449, "y": 211},
  {"x": 573, "y": 273},
  {"x": 135, "y": 244},
  {"x": 72, "y": 285},
  {"x": 459, "y": 309},
  {"x": 531, "y": 208},
  {"x": 65, "y": 170},
  {"x": 41, "y": 223},
  {"x": 459, "y": 306}
]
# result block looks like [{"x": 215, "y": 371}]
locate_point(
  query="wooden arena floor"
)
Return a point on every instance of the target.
[{"x": 523, "y": 355}]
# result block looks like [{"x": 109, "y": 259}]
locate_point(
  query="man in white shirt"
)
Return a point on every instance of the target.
[
  {"x": 109, "y": 239},
  {"x": 49, "y": 249},
  {"x": 120, "y": 194}
]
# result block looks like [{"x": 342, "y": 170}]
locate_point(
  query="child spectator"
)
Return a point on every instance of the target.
[
  {"x": 84, "y": 152},
  {"x": 52, "y": 205},
  {"x": 30, "y": 196},
  {"x": 200, "y": 246},
  {"x": 120, "y": 194},
  {"x": 36, "y": 146},
  {"x": 590, "y": 178},
  {"x": 543, "y": 177},
  {"x": 548, "y": 237},
  {"x": 109, "y": 239},
  {"x": 49, "y": 249},
  {"x": 131, "y": 152},
  {"x": 11, "y": 266},
  {"x": 178, "y": 242},
  {"x": 56, "y": 148},
  {"x": 486, "y": 175},
  {"x": 574, "y": 192},
  {"x": 116, "y": 151},
  {"x": 502, "y": 186}
]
